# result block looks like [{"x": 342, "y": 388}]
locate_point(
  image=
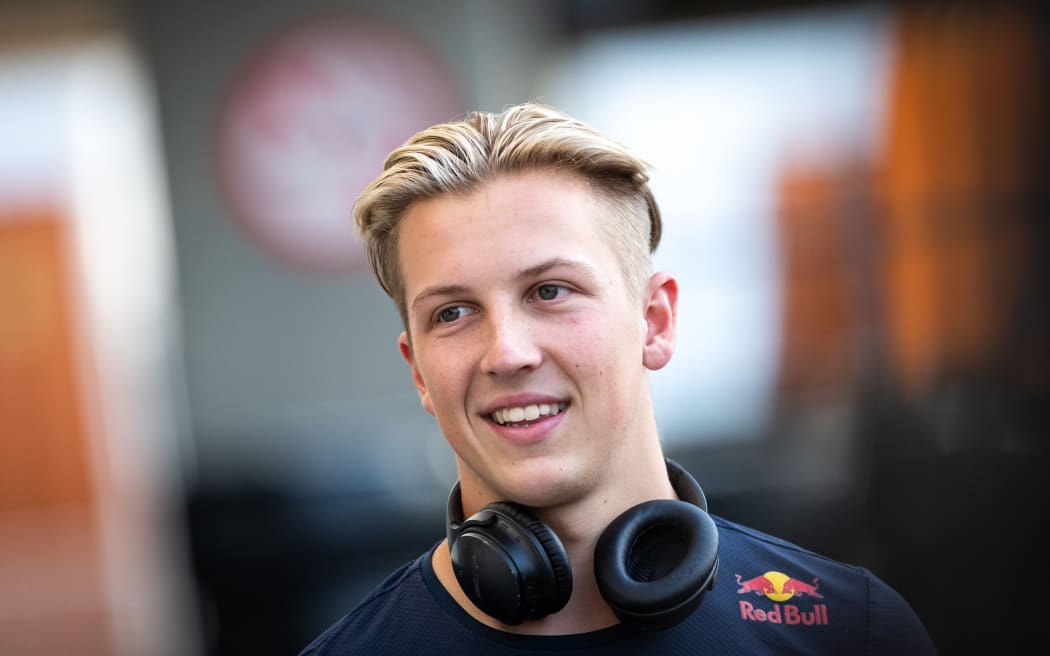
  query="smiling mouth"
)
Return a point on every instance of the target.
[{"x": 526, "y": 414}]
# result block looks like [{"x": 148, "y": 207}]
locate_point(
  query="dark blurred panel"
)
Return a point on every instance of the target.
[
  {"x": 915, "y": 293},
  {"x": 959, "y": 440},
  {"x": 276, "y": 568}
]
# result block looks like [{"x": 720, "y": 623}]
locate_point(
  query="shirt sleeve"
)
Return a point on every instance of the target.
[{"x": 893, "y": 625}]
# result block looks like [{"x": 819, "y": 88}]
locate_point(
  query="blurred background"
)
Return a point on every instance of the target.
[{"x": 209, "y": 443}]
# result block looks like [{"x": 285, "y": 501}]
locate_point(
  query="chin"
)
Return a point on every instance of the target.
[{"x": 543, "y": 488}]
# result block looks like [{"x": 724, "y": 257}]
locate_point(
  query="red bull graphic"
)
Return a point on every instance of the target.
[
  {"x": 760, "y": 585},
  {"x": 798, "y": 588},
  {"x": 779, "y": 587}
]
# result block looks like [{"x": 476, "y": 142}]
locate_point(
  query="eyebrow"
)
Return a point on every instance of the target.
[
  {"x": 530, "y": 272},
  {"x": 437, "y": 290},
  {"x": 553, "y": 263}
]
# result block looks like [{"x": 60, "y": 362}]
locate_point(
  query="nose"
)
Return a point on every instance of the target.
[{"x": 510, "y": 346}]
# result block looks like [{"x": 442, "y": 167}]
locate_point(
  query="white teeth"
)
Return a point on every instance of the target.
[{"x": 532, "y": 412}]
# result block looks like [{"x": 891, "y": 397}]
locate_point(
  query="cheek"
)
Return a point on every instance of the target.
[
  {"x": 600, "y": 343},
  {"x": 607, "y": 366},
  {"x": 582, "y": 344},
  {"x": 596, "y": 357},
  {"x": 441, "y": 386},
  {"x": 449, "y": 382}
]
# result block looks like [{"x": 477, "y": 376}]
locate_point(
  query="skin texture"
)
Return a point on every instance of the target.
[{"x": 515, "y": 298}]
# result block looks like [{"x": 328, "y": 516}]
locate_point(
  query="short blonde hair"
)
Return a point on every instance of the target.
[{"x": 457, "y": 157}]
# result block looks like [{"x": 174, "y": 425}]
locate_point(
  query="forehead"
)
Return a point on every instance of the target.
[
  {"x": 531, "y": 204},
  {"x": 505, "y": 224}
]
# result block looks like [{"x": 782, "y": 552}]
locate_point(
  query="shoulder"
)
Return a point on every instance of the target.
[
  {"x": 397, "y": 599},
  {"x": 782, "y": 590},
  {"x": 750, "y": 549}
]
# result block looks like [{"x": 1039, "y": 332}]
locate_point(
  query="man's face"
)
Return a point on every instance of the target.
[{"x": 525, "y": 342}]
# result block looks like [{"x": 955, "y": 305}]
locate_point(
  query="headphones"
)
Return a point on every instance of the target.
[{"x": 654, "y": 563}]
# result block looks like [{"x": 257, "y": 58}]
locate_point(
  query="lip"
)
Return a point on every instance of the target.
[{"x": 536, "y": 431}]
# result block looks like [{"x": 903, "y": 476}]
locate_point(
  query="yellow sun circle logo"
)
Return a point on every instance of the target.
[{"x": 778, "y": 579}]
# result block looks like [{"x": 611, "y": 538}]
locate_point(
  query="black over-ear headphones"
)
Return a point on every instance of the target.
[{"x": 654, "y": 563}]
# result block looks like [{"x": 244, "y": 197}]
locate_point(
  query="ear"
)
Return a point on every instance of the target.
[
  {"x": 661, "y": 317},
  {"x": 404, "y": 344}
]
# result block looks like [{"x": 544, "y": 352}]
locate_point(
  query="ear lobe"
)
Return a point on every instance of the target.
[
  {"x": 405, "y": 346},
  {"x": 661, "y": 317}
]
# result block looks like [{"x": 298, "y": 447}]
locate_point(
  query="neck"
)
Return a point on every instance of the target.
[{"x": 579, "y": 524}]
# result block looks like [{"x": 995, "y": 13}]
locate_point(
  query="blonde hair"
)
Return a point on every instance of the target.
[{"x": 457, "y": 157}]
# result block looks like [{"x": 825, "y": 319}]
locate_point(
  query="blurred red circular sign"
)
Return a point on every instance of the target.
[{"x": 305, "y": 124}]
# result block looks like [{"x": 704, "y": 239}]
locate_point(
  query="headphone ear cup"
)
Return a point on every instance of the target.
[
  {"x": 511, "y": 565},
  {"x": 656, "y": 561},
  {"x": 557, "y": 560}
]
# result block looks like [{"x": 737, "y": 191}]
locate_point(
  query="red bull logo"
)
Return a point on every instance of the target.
[{"x": 779, "y": 587}]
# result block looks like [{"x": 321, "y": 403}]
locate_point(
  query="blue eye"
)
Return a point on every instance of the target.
[
  {"x": 549, "y": 292},
  {"x": 450, "y": 314}
]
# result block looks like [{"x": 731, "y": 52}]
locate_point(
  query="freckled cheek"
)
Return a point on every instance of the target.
[
  {"x": 590, "y": 366},
  {"x": 581, "y": 349},
  {"x": 599, "y": 363},
  {"x": 446, "y": 387}
]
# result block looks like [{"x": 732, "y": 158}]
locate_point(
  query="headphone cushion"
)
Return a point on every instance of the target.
[{"x": 655, "y": 562}]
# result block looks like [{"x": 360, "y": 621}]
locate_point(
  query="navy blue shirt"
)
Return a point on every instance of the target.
[{"x": 771, "y": 597}]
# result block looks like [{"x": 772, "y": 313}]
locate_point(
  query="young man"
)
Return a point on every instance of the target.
[{"x": 517, "y": 250}]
